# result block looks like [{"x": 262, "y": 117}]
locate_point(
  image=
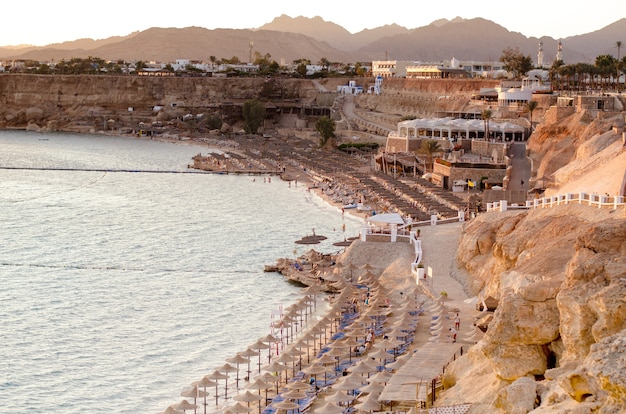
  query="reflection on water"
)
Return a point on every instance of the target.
[{"x": 121, "y": 288}]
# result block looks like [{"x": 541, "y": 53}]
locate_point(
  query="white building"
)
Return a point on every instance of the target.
[
  {"x": 451, "y": 129},
  {"x": 390, "y": 68},
  {"x": 350, "y": 89},
  {"x": 402, "y": 68},
  {"x": 479, "y": 69}
]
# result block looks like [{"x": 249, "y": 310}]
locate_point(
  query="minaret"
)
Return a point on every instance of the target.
[
  {"x": 540, "y": 55},
  {"x": 559, "y": 51}
]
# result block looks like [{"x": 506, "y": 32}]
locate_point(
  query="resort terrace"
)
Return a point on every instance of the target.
[{"x": 456, "y": 128}]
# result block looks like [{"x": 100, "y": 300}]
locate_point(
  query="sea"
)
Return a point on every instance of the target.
[{"x": 125, "y": 276}]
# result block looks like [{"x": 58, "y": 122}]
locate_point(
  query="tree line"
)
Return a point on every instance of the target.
[
  {"x": 603, "y": 74},
  {"x": 266, "y": 66}
]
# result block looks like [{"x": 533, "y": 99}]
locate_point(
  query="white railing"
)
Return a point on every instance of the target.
[{"x": 595, "y": 200}]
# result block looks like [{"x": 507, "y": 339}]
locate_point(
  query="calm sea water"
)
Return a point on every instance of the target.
[{"x": 119, "y": 289}]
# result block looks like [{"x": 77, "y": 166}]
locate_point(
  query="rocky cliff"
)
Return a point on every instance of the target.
[
  {"x": 569, "y": 152},
  {"x": 557, "y": 341},
  {"x": 73, "y": 102}
]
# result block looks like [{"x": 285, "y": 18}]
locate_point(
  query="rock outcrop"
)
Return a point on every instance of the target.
[
  {"x": 557, "y": 340},
  {"x": 569, "y": 154}
]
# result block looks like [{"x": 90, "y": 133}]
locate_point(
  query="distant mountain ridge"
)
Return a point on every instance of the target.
[
  {"x": 331, "y": 33},
  {"x": 287, "y": 39}
]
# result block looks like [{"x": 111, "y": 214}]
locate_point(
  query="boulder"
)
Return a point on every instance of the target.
[
  {"x": 518, "y": 398},
  {"x": 513, "y": 361},
  {"x": 520, "y": 321}
]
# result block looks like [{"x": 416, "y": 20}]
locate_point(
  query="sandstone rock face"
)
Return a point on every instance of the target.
[
  {"x": 559, "y": 331},
  {"x": 89, "y": 99},
  {"x": 570, "y": 153}
]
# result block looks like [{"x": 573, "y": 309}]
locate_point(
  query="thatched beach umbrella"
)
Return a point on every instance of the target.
[
  {"x": 194, "y": 393},
  {"x": 185, "y": 405},
  {"x": 372, "y": 388},
  {"x": 286, "y": 405},
  {"x": 204, "y": 383},
  {"x": 299, "y": 384},
  {"x": 237, "y": 360},
  {"x": 270, "y": 339},
  {"x": 216, "y": 375},
  {"x": 348, "y": 383},
  {"x": 260, "y": 384},
  {"x": 382, "y": 355},
  {"x": 380, "y": 377},
  {"x": 369, "y": 403},
  {"x": 389, "y": 343},
  {"x": 171, "y": 410},
  {"x": 238, "y": 408},
  {"x": 339, "y": 397},
  {"x": 276, "y": 367},
  {"x": 364, "y": 366},
  {"x": 247, "y": 397},
  {"x": 271, "y": 379},
  {"x": 257, "y": 346},
  {"x": 287, "y": 358},
  {"x": 315, "y": 369},
  {"x": 226, "y": 368},
  {"x": 294, "y": 394},
  {"x": 249, "y": 353},
  {"x": 398, "y": 363},
  {"x": 329, "y": 408}
]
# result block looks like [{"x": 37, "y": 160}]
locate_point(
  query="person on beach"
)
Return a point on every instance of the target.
[
  {"x": 457, "y": 322},
  {"x": 453, "y": 334}
]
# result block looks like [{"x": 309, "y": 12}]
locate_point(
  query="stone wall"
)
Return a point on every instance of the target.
[
  {"x": 454, "y": 173},
  {"x": 558, "y": 113},
  {"x": 486, "y": 148}
]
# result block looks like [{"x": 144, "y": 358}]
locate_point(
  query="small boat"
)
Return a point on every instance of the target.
[{"x": 348, "y": 206}]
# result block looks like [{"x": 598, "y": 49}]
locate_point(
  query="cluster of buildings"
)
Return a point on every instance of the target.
[
  {"x": 454, "y": 68},
  {"x": 444, "y": 69}
]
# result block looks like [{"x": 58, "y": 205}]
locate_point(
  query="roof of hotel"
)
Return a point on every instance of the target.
[{"x": 458, "y": 124}]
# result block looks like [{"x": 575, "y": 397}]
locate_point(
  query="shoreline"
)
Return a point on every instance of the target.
[{"x": 438, "y": 253}]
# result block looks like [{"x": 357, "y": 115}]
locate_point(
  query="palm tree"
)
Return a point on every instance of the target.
[
  {"x": 430, "y": 147},
  {"x": 486, "y": 116},
  {"x": 555, "y": 79},
  {"x": 618, "y": 44},
  {"x": 530, "y": 106}
]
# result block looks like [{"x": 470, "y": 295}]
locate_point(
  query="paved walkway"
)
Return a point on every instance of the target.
[
  {"x": 520, "y": 167},
  {"x": 430, "y": 353},
  {"x": 439, "y": 246}
]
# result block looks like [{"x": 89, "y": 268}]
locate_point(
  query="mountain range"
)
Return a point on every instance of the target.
[{"x": 287, "y": 39}]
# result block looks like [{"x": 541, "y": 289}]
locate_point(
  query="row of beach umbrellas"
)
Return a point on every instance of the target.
[{"x": 295, "y": 346}]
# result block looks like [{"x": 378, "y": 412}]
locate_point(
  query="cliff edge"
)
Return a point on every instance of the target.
[{"x": 557, "y": 341}]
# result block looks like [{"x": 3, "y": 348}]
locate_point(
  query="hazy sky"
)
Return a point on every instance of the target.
[{"x": 39, "y": 22}]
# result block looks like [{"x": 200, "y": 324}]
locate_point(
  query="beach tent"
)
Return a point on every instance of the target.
[{"x": 387, "y": 218}]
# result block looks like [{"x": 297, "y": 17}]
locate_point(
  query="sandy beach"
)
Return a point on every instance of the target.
[{"x": 440, "y": 297}]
